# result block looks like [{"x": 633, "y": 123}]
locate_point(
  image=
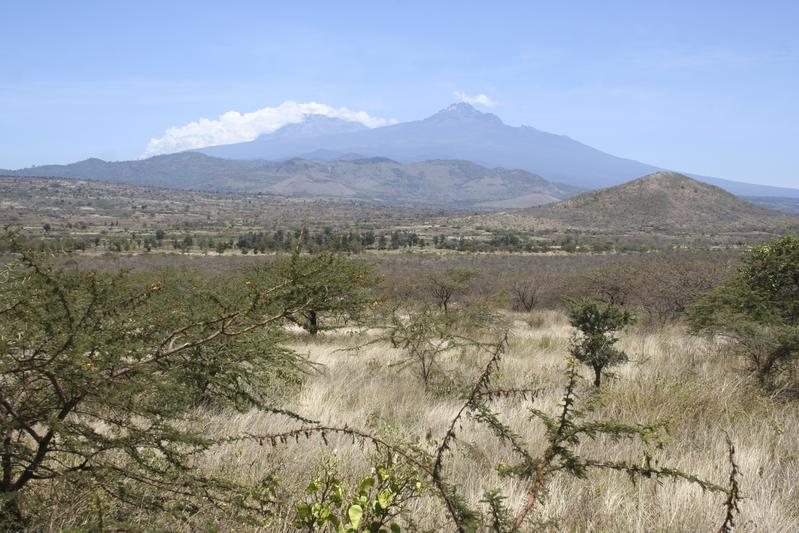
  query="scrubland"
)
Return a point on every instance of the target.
[
  {"x": 219, "y": 432},
  {"x": 690, "y": 383}
]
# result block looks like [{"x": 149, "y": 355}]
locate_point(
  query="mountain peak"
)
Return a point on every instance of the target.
[
  {"x": 463, "y": 108},
  {"x": 461, "y": 111},
  {"x": 668, "y": 177},
  {"x": 671, "y": 182}
]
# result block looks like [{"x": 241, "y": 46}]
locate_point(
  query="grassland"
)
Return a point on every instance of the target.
[{"x": 684, "y": 381}]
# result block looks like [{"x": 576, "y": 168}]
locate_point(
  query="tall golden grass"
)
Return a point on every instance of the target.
[{"x": 688, "y": 382}]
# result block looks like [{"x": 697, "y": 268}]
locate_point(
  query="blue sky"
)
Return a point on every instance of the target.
[{"x": 703, "y": 86}]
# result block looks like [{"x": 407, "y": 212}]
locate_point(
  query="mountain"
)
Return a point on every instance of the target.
[
  {"x": 329, "y": 146},
  {"x": 445, "y": 183},
  {"x": 462, "y": 132},
  {"x": 184, "y": 170},
  {"x": 663, "y": 202},
  {"x": 458, "y": 132}
]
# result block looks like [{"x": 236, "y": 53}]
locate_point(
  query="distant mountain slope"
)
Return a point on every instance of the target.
[
  {"x": 749, "y": 189},
  {"x": 457, "y": 132},
  {"x": 786, "y": 205},
  {"x": 317, "y": 126},
  {"x": 185, "y": 170},
  {"x": 438, "y": 182},
  {"x": 462, "y": 132},
  {"x": 663, "y": 202}
]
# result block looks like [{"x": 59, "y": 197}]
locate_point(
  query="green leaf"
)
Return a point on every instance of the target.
[
  {"x": 336, "y": 495},
  {"x": 384, "y": 498},
  {"x": 395, "y": 528},
  {"x": 365, "y": 485},
  {"x": 355, "y": 514},
  {"x": 383, "y": 473},
  {"x": 303, "y": 510}
]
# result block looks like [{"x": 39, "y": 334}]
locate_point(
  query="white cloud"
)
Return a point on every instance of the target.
[
  {"x": 232, "y": 127},
  {"x": 478, "y": 99}
]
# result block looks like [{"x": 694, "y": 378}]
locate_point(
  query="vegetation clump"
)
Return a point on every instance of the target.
[
  {"x": 451, "y": 284},
  {"x": 100, "y": 374},
  {"x": 336, "y": 287},
  {"x": 758, "y": 310},
  {"x": 598, "y": 323}
]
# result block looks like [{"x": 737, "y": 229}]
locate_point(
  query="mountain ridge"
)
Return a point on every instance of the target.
[{"x": 446, "y": 183}]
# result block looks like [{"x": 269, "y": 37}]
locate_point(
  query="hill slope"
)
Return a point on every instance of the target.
[
  {"x": 663, "y": 202},
  {"x": 436, "y": 183},
  {"x": 462, "y": 132},
  {"x": 181, "y": 171}
]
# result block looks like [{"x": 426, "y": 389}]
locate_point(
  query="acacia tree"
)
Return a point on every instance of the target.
[
  {"x": 595, "y": 346},
  {"x": 527, "y": 291},
  {"x": 424, "y": 336},
  {"x": 759, "y": 310},
  {"x": 342, "y": 289},
  {"x": 451, "y": 283},
  {"x": 93, "y": 386},
  {"x": 613, "y": 284}
]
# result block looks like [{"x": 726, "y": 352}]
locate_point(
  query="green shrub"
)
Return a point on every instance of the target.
[
  {"x": 598, "y": 322},
  {"x": 100, "y": 374},
  {"x": 377, "y": 504},
  {"x": 759, "y": 311},
  {"x": 337, "y": 286}
]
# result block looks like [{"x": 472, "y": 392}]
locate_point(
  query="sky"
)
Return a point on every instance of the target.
[{"x": 709, "y": 87}]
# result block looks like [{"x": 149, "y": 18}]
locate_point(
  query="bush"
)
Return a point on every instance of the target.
[
  {"x": 598, "y": 322},
  {"x": 378, "y": 502},
  {"x": 451, "y": 284},
  {"x": 335, "y": 286},
  {"x": 100, "y": 373},
  {"x": 759, "y": 311}
]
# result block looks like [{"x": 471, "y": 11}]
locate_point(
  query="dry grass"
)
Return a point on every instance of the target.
[{"x": 676, "y": 378}]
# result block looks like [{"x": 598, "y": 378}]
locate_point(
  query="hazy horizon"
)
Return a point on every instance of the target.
[{"x": 706, "y": 89}]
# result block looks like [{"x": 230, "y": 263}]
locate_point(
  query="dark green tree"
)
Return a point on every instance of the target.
[
  {"x": 759, "y": 311},
  {"x": 598, "y": 324},
  {"x": 339, "y": 288}
]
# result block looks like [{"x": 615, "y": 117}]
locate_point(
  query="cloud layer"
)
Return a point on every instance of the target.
[
  {"x": 478, "y": 99},
  {"x": 232, "y": 127}
]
